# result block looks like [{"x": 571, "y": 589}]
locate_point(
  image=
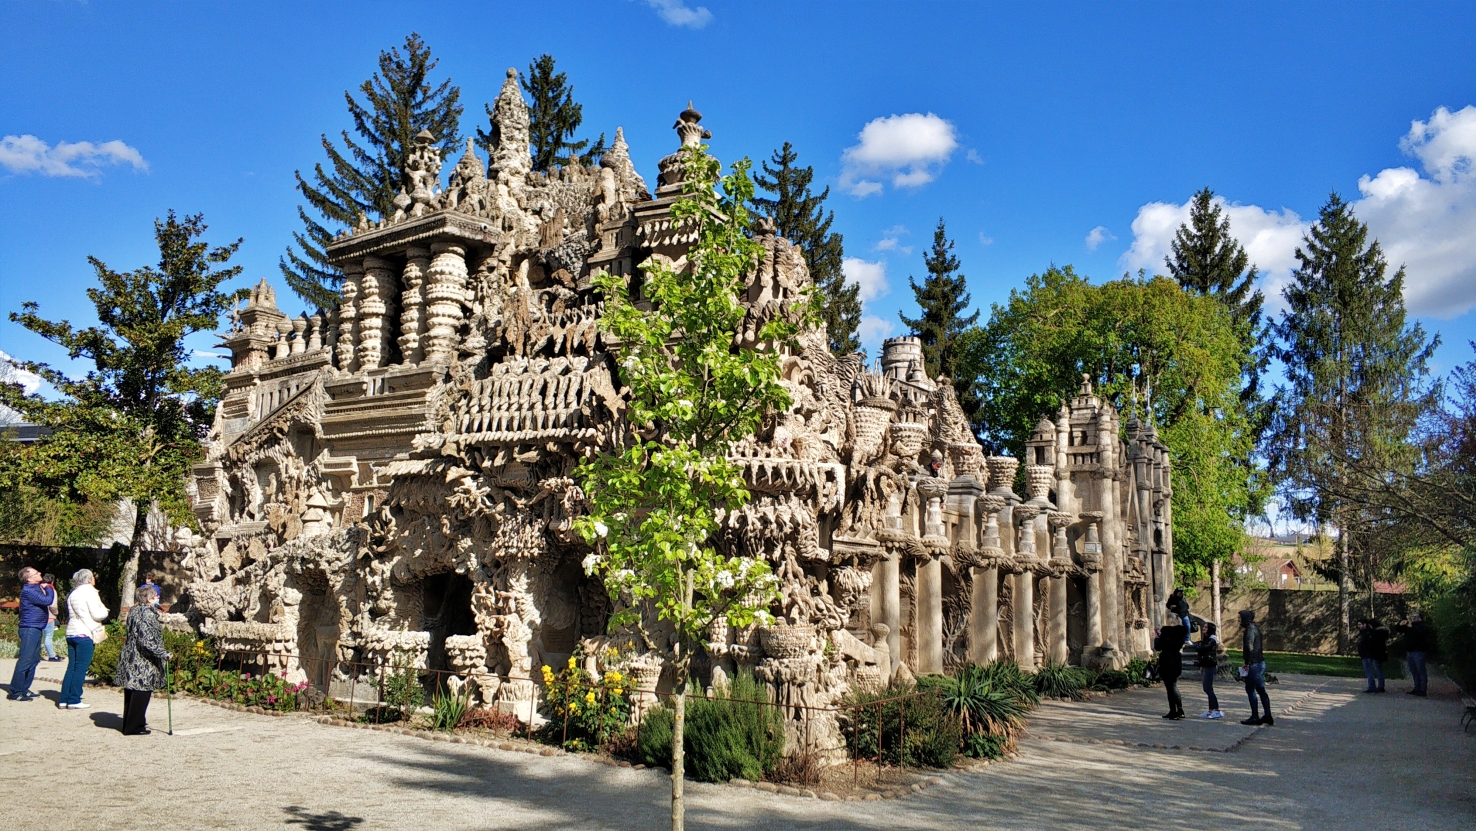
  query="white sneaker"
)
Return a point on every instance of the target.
[
  {"x": 80, "y": 705},
  {"x": 1208, "y": 714},
  {"x": 1215, "y": 714}
]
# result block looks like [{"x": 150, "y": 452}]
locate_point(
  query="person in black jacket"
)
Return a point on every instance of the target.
[
  {"x": 1169, "y": 645},
  {"x": 1373, "y": 648},
  {"x": 1208, "y": 650},
  {"x": 1254, "y": 668},
  {"x": 1419, "y": 643},
  {"x": 1178, "y": 606}
]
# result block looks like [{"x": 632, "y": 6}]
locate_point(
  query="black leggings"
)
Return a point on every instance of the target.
[
  {"x": 1176, "y": 701},
  {"x": 135, "y": 711},
  {"x": 1208, "y": 674}
]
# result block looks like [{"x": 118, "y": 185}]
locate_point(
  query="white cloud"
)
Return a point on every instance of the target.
[
  {"x": 1270, "y": 239},
  {"x": 1097, "y": 236},
  {"x": 871, "y": 277},
  {"x": 1428, "y": 223},
  {"x": 973, "y": 156},
  {"x": 28, "y": 154},
  {"x": 892, "y": 240},
  {"x": 678, "y": 13},
  {"x": 908, "y": 149},
  {"x": 1423, "y": 221},
  {"x": 985, "y": 240},
  {"x": 872, "y": 331}
]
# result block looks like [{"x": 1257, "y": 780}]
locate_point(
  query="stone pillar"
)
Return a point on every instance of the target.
[
  {"x": 1094, "y": 609},
  {"x": 412, "y": 306},
  {"x": 348, "y": 318},
  {"x": 930, "y": 614},
  {"x": 1057, "y": 650},
  {"x": 889, "y": 595},
  {"x": 444, "y": 292},
  {"x": 1114, "y": 631},
  {"x": 1024, "y": 595},
  {"x": 376, "y": 299},
  {"x": 984, "y": 595}
]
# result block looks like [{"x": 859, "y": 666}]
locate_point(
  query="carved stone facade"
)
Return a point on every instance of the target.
[{"x": 393, "y": 482}]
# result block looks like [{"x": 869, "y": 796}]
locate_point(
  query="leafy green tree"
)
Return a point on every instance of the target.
[
  {"x": 553, "y": 118},
  {"x": 655, "y": 502},
  {"x": 1357, "y": 383},
  {"x": 132, "y": 426},
  {"x": 399, "y": 101},
  {"x": 1146, "y": 344},
  {"x": 799, "y": 216}
]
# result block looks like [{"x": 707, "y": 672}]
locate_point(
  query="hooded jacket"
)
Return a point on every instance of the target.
[{"x": 1250, "y": 640}]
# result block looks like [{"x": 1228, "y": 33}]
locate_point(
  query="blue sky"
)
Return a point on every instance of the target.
[{"x": 1065, "y": 133}]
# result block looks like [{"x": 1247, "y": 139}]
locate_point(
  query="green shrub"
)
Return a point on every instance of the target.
[
  {"x": 736, "y": 734},
  {"x": 10, "y": 626},
  {"x": 1062, "y": 681},
  {"x": 583, "y": 710},
  {"x": 105, "y": 655},
  {"x": 902, "y": 728},
  {"x": 1137, "y": 670},
  {"x": 1004, "y": 674},
  {"x": 984, "y": 704},
  {"x": 450, "y": 709},
  {"x": 1112, "y": 679}
]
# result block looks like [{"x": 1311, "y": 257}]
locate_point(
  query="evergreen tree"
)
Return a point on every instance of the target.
[
  {"x": 943, "y": 328},
  {"x": 1205, "y": 259},
  {"x": 1356, "y": 382},
  {"x": 132, "y": 426},
  {"x": 399, "y": 102},
  {"x": 800, "y": 217},
  {"x": 553, "y": 117}
]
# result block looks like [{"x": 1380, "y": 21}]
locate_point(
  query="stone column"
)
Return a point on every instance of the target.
[
  {"x": 412, "y": 306},
  {"x": 930, "y": 614},
  {"x": 444, "y": 292},
  {"x": 1024, "y": 595},
  {"x": 1057, "y": 650},
  {"x": 889, "y": 597},
  {"x": 348, "y": 318},
  {"x": 1091, "y": 562},
  {"x": 984, "y": 597},
  {"x": 376, "y": 298}
]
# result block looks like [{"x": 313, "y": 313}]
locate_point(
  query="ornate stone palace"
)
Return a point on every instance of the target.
[{"x": 392, "y": 480}]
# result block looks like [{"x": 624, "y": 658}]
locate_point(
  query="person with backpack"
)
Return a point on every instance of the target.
[
  {"x": 1373, "y": 648},
  {"x": 1253, "y": 670},
  {"x": 1208, "y": 650},
  {"x": 1170, "y": 644}
]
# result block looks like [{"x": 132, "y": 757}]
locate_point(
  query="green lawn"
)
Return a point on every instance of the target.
[{"x": 1298, "y": 663}]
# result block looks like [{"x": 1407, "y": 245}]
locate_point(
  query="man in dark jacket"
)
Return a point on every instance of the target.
[
  {"x": 1373, "y": 648},
  {"x": 1419, "y": 643},
  {"x": 1178, "y": 605},
  {"x": 35, "y": 607},
  {"x": 1168, "y": 644},
  {"x": 1253, "y": 670}
]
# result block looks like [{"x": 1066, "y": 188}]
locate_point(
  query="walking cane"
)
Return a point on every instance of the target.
[{"x": 169, "y": 696}]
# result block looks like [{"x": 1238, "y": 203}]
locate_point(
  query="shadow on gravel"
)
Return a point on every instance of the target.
[
  {"x": 325, "y": 821},
  {"x": 108, "y": 721}
]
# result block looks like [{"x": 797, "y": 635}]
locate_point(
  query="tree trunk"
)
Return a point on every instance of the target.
[
  {"x": 129, "y": 580},
  {"x": 1344, "y": 595},
  {"x": 1215, "y": 593},
  {"x": 678, "y": 760}
]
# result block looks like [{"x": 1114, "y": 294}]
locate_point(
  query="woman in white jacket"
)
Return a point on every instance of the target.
[{"x": 85, "y": 615}]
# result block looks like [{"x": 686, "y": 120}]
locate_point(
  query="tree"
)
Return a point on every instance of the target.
[
  {"x": 1147, "y": 344},
  {"x": 1356, "y": 382},
  {"x": 1206, "y": 260},
  {"x": 800, "y": 217},
  {"x": 553, "y": 117},
  {"x": 133, "y": 425},
  {"x": 655, "y": 503},
  {"x": 399, "y": 102},
  {"x": 950, "y": 346}
]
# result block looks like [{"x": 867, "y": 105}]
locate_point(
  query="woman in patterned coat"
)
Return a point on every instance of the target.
[{"x": 141, "y": 662}]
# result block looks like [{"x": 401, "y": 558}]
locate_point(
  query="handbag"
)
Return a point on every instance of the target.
[
  {"x": 1150, "y": 672},
  {"x": 99, "y": 635}
]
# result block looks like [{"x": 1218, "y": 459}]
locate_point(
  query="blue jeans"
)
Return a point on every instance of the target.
[
  {"x": 46, "y": 639},
  {"x": 1207, "y": 678},
  {"x": 26, "y": 661},
  {"x": 1418, "y": 672},
  {"x": 1255, "y": 684},
  {"x": 1372, "y": 669},
  {"x": 79, "y": 658}
]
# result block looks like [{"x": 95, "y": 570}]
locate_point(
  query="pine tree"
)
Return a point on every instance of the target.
[
  {"x": 800, "y": 217},
  {"x": 553, "y": 117},
  {"x": 1357, "y": 381},
  {"x": 399, "y": 102},
  {"x": 942, "y": 298},
  {"x": 1205, "y": 259}
]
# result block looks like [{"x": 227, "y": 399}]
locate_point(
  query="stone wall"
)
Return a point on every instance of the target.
[{"x": 1294, "y": 620}]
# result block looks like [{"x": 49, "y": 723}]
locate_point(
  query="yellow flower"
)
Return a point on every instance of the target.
[
  {"x": 613, "y": 677},
  {"x": 572, "y": 662},
  {"x": 573, "y": 707},
  {"x": 589, "y": 697},
  {"x": 617, "y": 691}
]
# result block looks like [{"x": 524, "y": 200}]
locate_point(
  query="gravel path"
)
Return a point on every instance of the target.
[{"x": 1336, "y": 759}]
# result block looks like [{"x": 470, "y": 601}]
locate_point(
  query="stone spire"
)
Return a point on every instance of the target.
[
  {"x": 511, "y": 157},
  {"x": 617, "y": 159}
]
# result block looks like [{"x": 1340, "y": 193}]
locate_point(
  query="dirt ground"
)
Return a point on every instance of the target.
[{"x": 1336, "y": 759}]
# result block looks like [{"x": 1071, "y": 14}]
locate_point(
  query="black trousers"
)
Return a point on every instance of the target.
[
  {"x": 1176, "y": 701},
  {"x": 135, "y": 711}
]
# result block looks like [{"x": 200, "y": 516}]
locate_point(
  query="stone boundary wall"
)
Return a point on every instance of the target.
[
  {"x": 1297, "y": 620},
  {"x": 63, "y": 561}
]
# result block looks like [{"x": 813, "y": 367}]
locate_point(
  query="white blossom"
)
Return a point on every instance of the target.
[
  {"x": 590, "y": 562},
  {"x": 601, "y": 528},
  {"x": 725, "y": 579}
]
